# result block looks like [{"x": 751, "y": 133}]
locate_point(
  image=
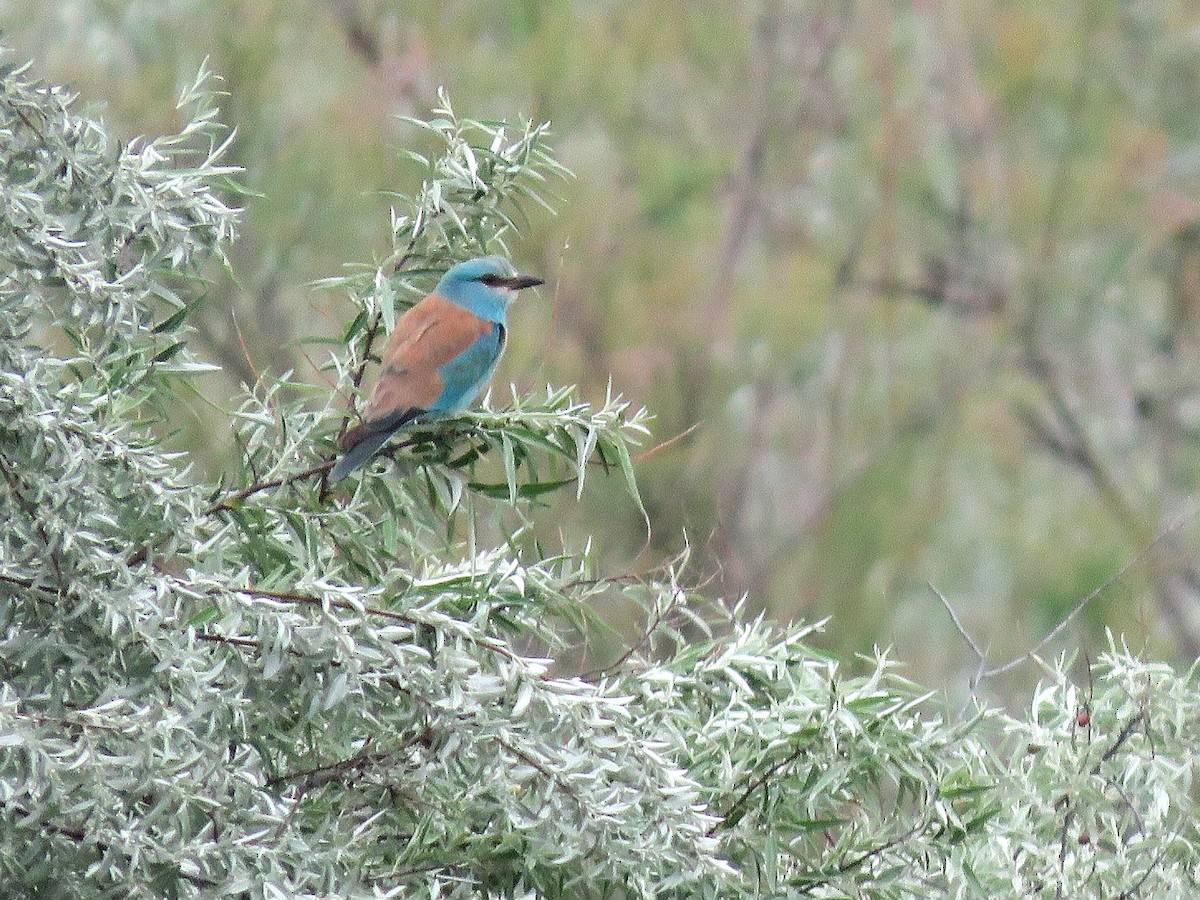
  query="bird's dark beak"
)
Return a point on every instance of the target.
[{"x": 520, "y": 282}]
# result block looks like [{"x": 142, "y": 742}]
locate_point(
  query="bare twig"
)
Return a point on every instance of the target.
[
  {"x": 1150, "y": 869},
  {"x": 655, "y": 623},
  {"x": 663, "y": 445},
  {"x": 1067, "y": 437},
  {"x": 866, "y": 856},
  {"x": 325, "y": 773},
  {"x": 980, "y": 654},
  {"x": 740, "y": 803},
  {"x": 485, "y": 643},
  {"x": 228, "y": 641},
  {"x": 957, "y": 623},
  {"x": 1127, "y": 731},
  {"x": 1082, "y": 604},
  {"x": 258, "y": 486}
]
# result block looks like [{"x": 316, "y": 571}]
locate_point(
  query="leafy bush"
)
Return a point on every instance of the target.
[{"x": 265, "y": 687}]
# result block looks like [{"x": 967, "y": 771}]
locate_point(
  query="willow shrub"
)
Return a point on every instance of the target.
[{"x": 268, "y": 688}]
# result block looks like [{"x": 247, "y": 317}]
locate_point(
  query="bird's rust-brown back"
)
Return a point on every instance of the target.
[{"x": 429, "y": 335}]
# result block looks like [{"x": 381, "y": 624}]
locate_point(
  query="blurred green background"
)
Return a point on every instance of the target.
[{"x": 924, "y": 275}]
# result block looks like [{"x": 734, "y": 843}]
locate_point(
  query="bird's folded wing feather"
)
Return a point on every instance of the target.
[{"x": 427, "y": 337}]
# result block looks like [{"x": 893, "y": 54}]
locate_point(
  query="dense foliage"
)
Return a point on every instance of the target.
[
  {"x": 916, "y": 282},
  {"x": 267, "y": 688}
]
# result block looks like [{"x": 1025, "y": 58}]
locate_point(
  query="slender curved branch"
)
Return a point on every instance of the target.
[{"x": 263, "y": 485}]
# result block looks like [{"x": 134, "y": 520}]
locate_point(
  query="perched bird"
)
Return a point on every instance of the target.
[{"x": 440, "y": 356}]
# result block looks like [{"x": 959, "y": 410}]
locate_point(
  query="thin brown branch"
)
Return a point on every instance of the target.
[
  {"x": 1127, "y": 731},
  {"x": 28, "y": 124},
  {"x": 24, "y": 583},
  {"x": 492, "y": 646},
  {"x": 1064, "y": 834},
  {"x": 1128, "y": 801},
  {"x": 659, "y": 617},
  {"x": 243, "y": 371},
  {"x": 227, "y": 640},
  {"x": 864, "y": 857},
  {"x": 740, "y": 803},
  {"x": 1114, "y": 578},
  {"x": 1067, "y": 437},
  {"x": 238, "y": 496},
  {"x": 329, "y": 771},
  {"x": 957, "y": 623},
  {"x": 548, "y": 774},
  {"x": 80, "y": 836},
  {"x": 241, "y": 340},
  {"x": 669, "y": 442},
  {"x": 980, "y": 654},
  {"x": 1079, "y": 445},
  {"x": 1136, "y": 887}
]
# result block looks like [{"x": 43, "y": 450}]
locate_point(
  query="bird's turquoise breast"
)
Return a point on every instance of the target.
[{"x": 465, "y": 375}]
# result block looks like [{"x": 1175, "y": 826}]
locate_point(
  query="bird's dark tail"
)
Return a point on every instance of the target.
[
  {"x": 359, "y": 454},
  {"x": 363, "y": 441}
]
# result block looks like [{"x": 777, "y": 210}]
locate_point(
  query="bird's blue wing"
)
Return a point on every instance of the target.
[{"x": 464, "y": 375}]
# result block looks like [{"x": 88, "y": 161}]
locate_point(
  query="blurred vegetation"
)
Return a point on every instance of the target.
[{"x": 925, "y": 275}]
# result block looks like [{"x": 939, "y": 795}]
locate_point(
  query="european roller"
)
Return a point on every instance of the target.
[{"x": 440, "y": 356}]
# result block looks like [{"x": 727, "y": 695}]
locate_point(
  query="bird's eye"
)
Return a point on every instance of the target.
[{"x": 489, "y": 279}]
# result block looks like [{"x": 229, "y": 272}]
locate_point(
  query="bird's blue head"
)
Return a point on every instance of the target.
[{"x": 485, "y": 286}]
